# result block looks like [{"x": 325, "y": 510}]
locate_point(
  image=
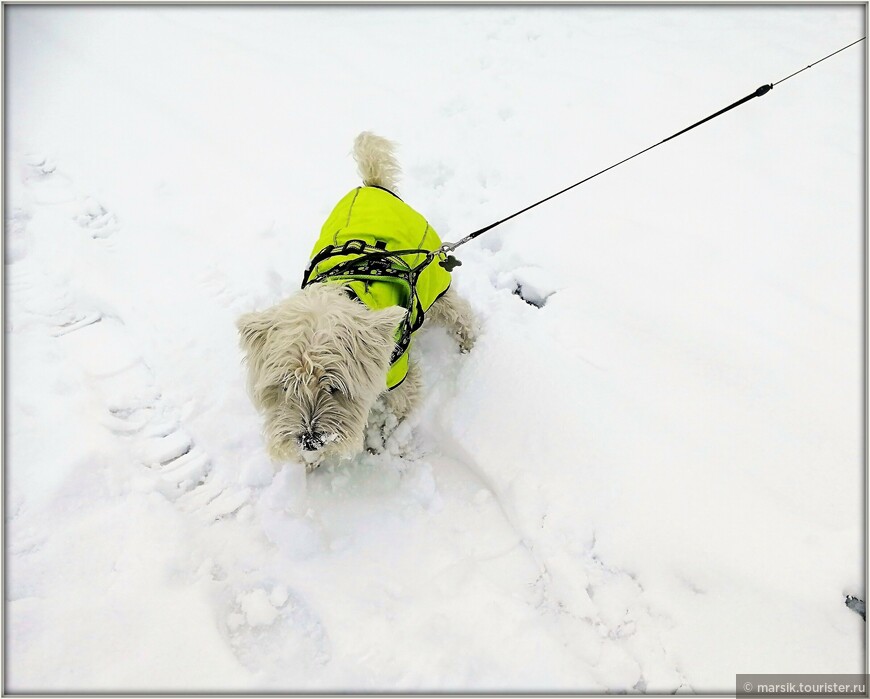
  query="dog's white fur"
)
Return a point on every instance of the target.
[{"x": 318, "y": 361}]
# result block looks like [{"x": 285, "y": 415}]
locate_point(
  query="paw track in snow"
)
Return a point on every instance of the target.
[{"x": 96, "y": 219}]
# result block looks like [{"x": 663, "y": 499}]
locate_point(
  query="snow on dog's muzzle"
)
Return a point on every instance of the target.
[{"x": 311, "y": 441}]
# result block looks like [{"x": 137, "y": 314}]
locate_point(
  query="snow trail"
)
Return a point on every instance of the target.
[{"x": 645, "y": 476}]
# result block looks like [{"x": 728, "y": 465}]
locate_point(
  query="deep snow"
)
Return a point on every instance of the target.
[{"x": 651, "y": 483}]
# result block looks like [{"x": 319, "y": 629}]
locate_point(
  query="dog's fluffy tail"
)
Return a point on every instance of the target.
[{"x": 375, "y": 160}]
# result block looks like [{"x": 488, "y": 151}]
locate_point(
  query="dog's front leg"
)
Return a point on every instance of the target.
[
  {"x": 391, "y": 408},
  {"x": 404, "y": 397},
  {"x": 454, "y": 313}
]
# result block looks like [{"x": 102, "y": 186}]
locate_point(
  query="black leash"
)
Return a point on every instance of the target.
[
  {"x": 819, "y": 61},
  {"x": 375, "y": 262},
  {"x": 763, "y": 90}
]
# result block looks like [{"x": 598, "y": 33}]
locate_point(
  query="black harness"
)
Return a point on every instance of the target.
[{"x": 374, "y": 263}]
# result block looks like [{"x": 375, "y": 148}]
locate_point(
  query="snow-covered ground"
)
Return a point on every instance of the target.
[{"x": 650, "y": 483}]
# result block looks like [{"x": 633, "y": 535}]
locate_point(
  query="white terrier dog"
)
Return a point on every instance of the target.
[{"x": 319, "y": 360}]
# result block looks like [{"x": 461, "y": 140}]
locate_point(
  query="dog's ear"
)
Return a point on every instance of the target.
[
  {"x": 388, "y": 319},
  {"x": 253, "y": 328}
]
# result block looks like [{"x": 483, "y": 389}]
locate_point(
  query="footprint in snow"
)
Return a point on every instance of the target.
[
  {"x": 271, "y": 629},
  {"x": 394, "y": 463},
  {"x": 136, "y": 411},
  {"x": 17, "y": 243},
  {"x": 436, "y": 174},
  {"x": 94, "y": 217},
  {"x": 528, "y": 283},
  {"x": 219, "y": 285},
  {"x": 48, "y": 186}
]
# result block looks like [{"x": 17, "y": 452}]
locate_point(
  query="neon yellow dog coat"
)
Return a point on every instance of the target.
[{"x": 373, "y": 219}]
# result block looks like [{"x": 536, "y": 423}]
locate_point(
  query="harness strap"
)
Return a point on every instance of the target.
[{"x": 375, "y": 263}]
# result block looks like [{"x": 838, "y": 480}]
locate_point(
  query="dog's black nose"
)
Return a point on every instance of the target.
[{"x": 310, "y": 441}]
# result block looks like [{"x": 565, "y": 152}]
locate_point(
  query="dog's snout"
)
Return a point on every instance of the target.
[{"x": 311, "y": 441}]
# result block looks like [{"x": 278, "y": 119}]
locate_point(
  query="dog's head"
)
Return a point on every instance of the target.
[{"x": 316, "y": 364}]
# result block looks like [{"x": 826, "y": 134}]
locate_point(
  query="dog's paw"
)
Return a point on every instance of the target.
[
  {"x": 382, "y": 423},
  {"x": 466, "y": 339},
  {"x": 382, "y": 428}
]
